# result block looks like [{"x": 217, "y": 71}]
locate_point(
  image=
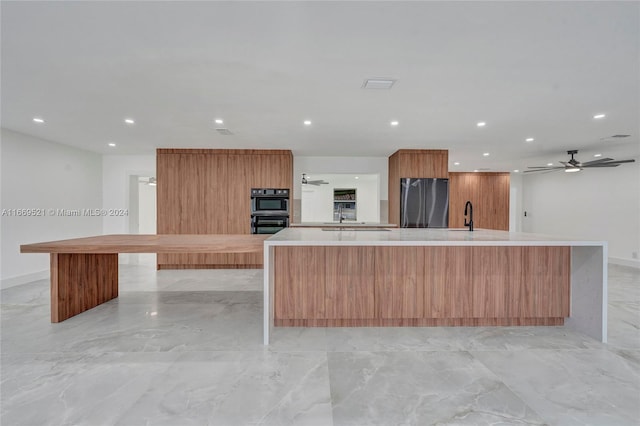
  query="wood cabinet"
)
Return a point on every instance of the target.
[
  {"x": 324, "y": 282},
  {"x": 207, "y": 191},
  {"x": 413, "y": 163},
  {"x": 421, "y": 285},
  {"x": 489, "y": 195}
]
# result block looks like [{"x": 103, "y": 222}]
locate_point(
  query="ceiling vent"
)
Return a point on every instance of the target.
[
  {"x": 225, "y": 132},
  {"x": 378, "y": 83}
]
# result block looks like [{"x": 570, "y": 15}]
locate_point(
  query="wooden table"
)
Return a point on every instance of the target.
[{"x": 84, "y": 271}]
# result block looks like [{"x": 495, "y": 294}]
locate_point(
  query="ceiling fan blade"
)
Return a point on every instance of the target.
[
  {"x": 603, "y": 165},
  {"x": 611, "y": 163},
  {"x": 542, "y": 169},
  {"x": 599, "y": 160}
]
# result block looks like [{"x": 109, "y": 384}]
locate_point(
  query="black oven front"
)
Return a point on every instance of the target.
[
  {"x": 268, "y": 224},
  {"x": 269, "y": 210},
  {"x": 269, "y": 201}
]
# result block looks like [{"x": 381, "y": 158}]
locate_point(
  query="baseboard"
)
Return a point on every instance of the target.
[
  {"x": 23, "y": 279},
  {"x": 633, "y": 263}
]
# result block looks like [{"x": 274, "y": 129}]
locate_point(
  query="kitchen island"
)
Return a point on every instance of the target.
[{"x": 433, "y": 277}]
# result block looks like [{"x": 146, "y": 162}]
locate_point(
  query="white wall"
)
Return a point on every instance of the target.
[
  {"x": 599, "y": 204},
  {"x": 317, "y": 201},
  {"x": 515, "y": 202},
  {"x": 116, "y": 173},
  {"x": 146, "y": 208},
  {"x": 337, "y": 165},
  {"x": 38, "y": 174}
]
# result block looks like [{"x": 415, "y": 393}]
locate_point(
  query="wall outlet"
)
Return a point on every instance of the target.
[{"x": 634, "y": 255}]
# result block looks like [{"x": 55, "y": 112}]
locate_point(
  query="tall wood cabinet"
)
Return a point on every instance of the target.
[
  {"x": 413, "y": 163},
  {"x": 489, "y": 195},
  {"x": 207, "y": 191}
]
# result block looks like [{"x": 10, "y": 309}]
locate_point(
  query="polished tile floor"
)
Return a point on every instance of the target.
[{"x": 185, "y": 348}]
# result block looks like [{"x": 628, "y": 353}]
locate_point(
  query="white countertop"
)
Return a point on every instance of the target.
[
  {"x": 311, "y": 236},
  {"x": 345, "y": 224}
]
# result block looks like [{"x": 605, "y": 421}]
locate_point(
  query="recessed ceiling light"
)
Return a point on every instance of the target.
[
  {"x": 597, "y": 155},
  {"x": 599, "y": 116},
  {"x": 111, "y": 144},
  {"x": 38, "y": 120},
  {"x": 529, "y": 140},
  {"x": 378, "y": 83},
  {"x": 481, "y": 124},
  {"x": 486, "y": 154},
  {"x": 356, "y": 177},
  {"x": 307, "y": 122},
  {"x": 394, "y": 123},
  {"x": 457, "y": 163},
  {"x": 475, "y": 170},
  {"x": 516, "y": 171},
  {"x": 129, "y": 121},
  {"x": 219, "y": 121}
]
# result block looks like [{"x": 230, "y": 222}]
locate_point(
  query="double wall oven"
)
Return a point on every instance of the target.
[{"x": 269, "y": 210}]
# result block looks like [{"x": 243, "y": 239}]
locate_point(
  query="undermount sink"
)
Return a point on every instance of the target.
[
  {"x": 343, "y": 223},
  {"x": 343, "y": 228}
]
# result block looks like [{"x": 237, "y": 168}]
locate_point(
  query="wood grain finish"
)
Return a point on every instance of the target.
[
  {"x": 399, "y": 282},
  {"x": 349, "y": 282},
  {"x": 140, "y": 243},
  {"x": 299, "y": 282},
  {"x": 413, "y": 163},
  {"x": 203, "y": 191},
  {"x": 422, "y": 285},
  {"x": 80, "y": 282},
  {"x": 419, "y": 322},
  {"x": 324, "y": 282},
  {"x": 489, "y": 194}
]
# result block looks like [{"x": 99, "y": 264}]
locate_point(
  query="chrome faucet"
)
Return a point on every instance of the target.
[
  {"x": 340, "y": 216},
  {"x": 470, "y": 223}
]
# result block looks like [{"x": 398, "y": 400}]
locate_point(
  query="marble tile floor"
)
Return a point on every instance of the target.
[{"x": 185, "y": 348}]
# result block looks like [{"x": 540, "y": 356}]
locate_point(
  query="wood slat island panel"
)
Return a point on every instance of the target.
[{"x": 415, "y": 285}]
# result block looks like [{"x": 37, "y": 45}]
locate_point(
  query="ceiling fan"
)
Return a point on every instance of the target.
[
  {"x": 151, "y": 181},
  {"x": 306, "y": 181},
  {"x": 574, "y": 165}
]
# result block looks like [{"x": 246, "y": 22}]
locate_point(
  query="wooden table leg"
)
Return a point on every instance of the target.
[{"x": 80, "y": 282}]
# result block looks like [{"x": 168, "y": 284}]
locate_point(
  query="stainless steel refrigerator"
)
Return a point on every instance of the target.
[{"x": 424, "y": 203}]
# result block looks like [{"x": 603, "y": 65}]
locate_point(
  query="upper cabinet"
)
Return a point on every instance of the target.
[{"x": 413, "y": 163}]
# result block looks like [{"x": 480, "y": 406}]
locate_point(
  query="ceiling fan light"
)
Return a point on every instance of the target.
[{"x": 572, "y": 169}]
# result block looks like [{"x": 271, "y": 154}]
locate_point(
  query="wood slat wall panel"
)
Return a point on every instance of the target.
[
  {"x": 349, "y": 281},
  {"x": 489, "y": 194},
  {"x": 545, "y": 284},
  {"x": 399, "y": 282},
  {"x": 448, "y": 293},
  {"x": 299, "y": 288},
  {"x": 207, "y": 191}
]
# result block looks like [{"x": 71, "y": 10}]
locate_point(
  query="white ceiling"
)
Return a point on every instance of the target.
[{"x": 528, "y": 69}]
